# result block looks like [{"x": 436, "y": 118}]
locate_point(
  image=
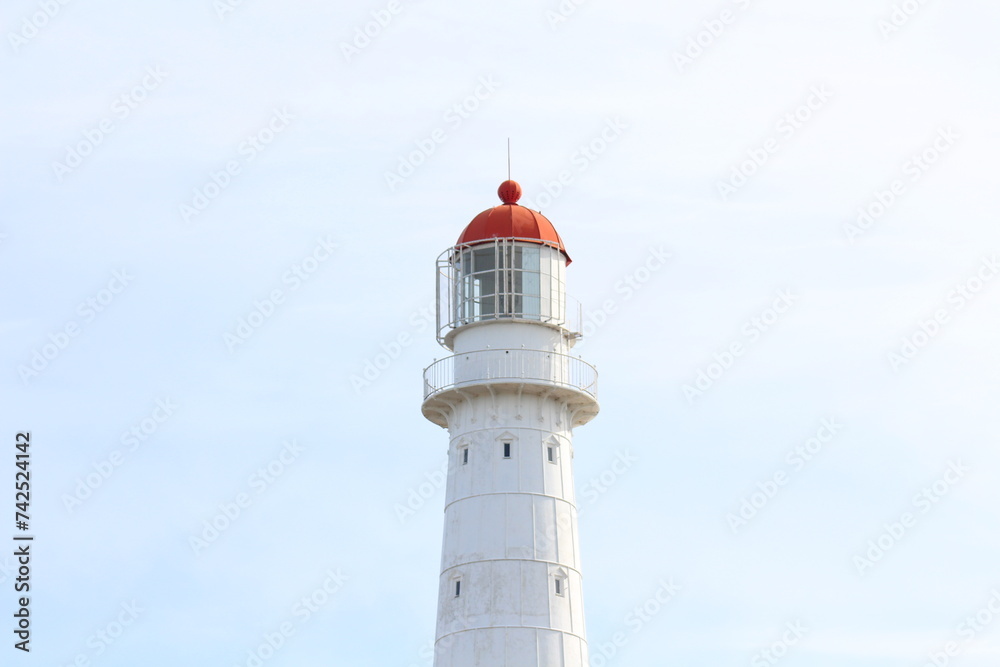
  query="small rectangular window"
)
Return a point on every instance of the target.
[
  {"x": 506, "y": 450},
  {"x": 458, "y": 587},
  {"x": 465, "y": 455},
  {"x": 552, "y": 454},
  {"x": 559, "y": 587}
]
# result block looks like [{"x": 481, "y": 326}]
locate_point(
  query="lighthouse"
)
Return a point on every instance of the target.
[{"x": 510, "y": 591}]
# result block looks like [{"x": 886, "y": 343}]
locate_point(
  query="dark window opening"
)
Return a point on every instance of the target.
[
  {"x": 506, "y": 450},
  {"x": 552, "y": 454},
  {"x": 458, "y": 588},
  {"x": 465, "y": 455}
]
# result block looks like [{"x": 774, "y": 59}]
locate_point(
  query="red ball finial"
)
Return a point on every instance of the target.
[{"x": 509, "y": 192}]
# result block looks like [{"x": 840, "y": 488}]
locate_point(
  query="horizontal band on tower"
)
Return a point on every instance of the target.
[
  {"x": 522, "y": 560},
  {"x": 512, "y": 627},
  {"x": 509, "y": 493}
]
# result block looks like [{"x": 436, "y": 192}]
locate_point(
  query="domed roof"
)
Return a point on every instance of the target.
[{"x": 511, "y": 220}]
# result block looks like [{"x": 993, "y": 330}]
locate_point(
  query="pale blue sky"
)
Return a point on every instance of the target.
[{"x": 329, "y": 127}]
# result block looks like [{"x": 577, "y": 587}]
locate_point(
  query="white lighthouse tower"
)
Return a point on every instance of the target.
[{"x": 510, "y": 592}]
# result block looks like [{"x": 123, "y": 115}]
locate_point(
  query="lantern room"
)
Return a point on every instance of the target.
[{"x": 508, "y": 264}]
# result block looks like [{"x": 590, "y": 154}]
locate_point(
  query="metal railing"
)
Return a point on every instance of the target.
[
  {"x": 458, "y": 303},
  {"x": 536, "y": 366}
]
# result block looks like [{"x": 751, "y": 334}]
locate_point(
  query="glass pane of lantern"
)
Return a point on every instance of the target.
[
  {"x": 531, "y": 307},
  {"x": 527, "y": 258},
  {"x": 531, "y": 288},
  {"x": 485, "y": 284},
  {"x": 486, "y": 307},
  {"x": 485, "y": 259}
]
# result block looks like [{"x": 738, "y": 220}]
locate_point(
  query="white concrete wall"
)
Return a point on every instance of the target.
[
  {"x": 510, "y": 530},
  {"x": 509, "y": 334}
]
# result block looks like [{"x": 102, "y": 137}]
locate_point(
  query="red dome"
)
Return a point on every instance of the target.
[{"x": 511, "y": 220}]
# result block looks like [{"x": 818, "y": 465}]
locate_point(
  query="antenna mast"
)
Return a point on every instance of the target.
[{"x": 508, "y": 158}]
